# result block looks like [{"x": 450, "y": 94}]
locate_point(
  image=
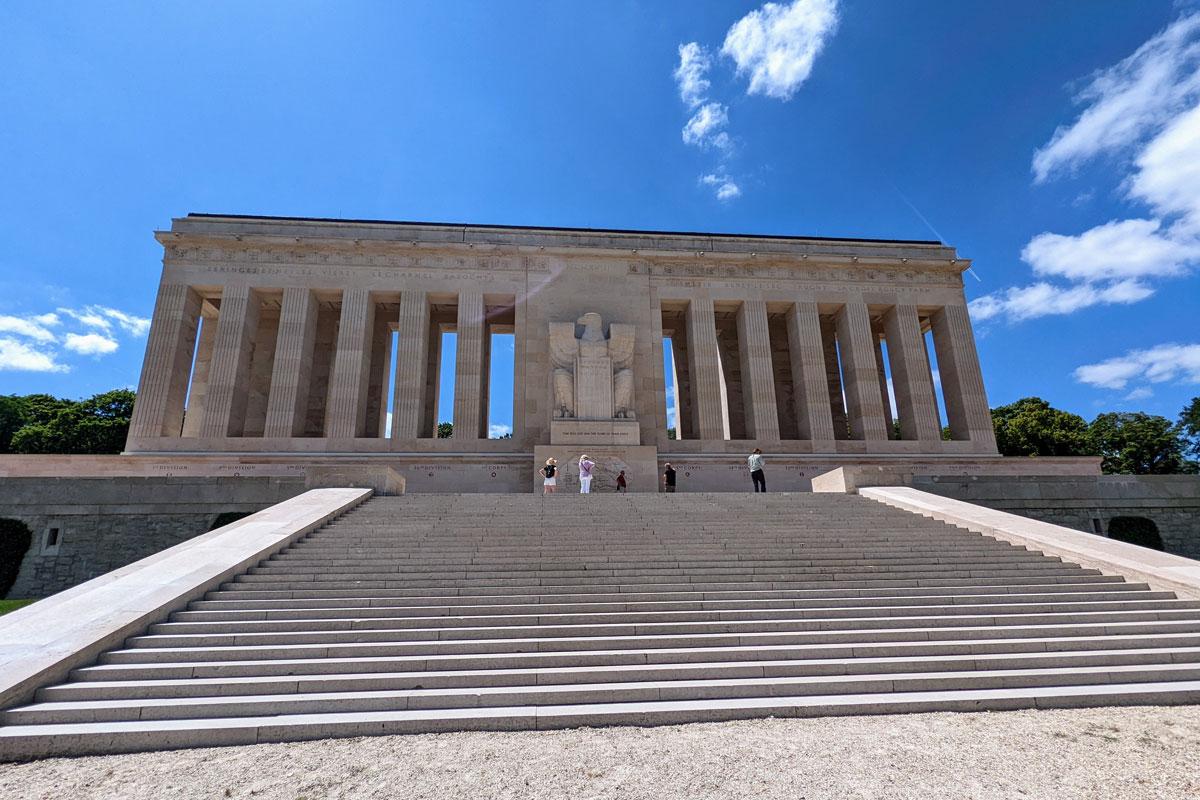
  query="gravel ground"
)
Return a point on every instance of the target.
[{"x": 1113, "y": 753}]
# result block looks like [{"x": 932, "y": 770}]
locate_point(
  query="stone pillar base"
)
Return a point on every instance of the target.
[
  {"x": 585, "y": 432},
  {"x": 639, "y": 462}
]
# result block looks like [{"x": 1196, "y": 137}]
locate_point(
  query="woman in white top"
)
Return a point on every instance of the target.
[{"x": 585, "y": 474}]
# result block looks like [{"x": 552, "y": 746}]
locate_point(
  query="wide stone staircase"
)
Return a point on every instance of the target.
[{"x": 453, "y": 612}]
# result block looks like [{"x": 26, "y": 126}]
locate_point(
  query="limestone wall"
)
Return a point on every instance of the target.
[
  {"x": 1085, "y": 503},
  {"x": 105, "y": 523}
]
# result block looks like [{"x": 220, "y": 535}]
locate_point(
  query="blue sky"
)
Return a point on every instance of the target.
[{"x": 1056, "y": 144}]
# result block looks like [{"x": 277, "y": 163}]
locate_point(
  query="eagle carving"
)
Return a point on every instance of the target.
[{"x": 592, "y": 372}]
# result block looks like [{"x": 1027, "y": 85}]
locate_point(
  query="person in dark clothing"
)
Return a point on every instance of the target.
[
  {"x": 549, "y": 481},
  {"x": 621, "y": 484},
  {"x": 669, "y": 479}
]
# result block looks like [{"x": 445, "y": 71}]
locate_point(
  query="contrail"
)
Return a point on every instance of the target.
[{"x": 930, "y": 226}]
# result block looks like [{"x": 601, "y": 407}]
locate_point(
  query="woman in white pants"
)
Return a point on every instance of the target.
[{"x": 585, "y": 474}]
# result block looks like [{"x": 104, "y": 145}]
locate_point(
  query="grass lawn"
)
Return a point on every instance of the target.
[{"x": 12, "y": 605}]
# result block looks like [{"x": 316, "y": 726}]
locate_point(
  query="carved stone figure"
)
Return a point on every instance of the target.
[{"x": 593, "y": 375}]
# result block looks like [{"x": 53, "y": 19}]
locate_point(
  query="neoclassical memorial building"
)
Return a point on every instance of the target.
[{"x": 285, "y": 341}]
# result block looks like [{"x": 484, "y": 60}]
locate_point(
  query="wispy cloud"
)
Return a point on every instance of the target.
[
  {"x": 726, "y": 188},
  {"x": 33, "y": 327},
  {"x": 1146, "y": 111},
  {"x": 1166, "y": 362},
  {"x": 694, "y": 63},
  {"x": 19, "y": 356},
  {"x": 498, "y": 431},
  {"x": 776, "y": 45},
  {"x": 90, "y": 344},
  {"x": 30, "y": 344}
]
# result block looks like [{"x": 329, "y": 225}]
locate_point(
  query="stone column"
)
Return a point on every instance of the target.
[
  {"x": 291, "y": 374},
  {"x": 704, "y": 370},
  {"x": 864, "y": 407},
  {"x": 814, "y": 417},
  {"x": 162, "y": 388},
  {"x": 229, "y": 376},
  {"x": 412, "y": 355},
  {"x": 962, "y": 380},
  {"x": 347, "y": 412},
  {"x": 193, "y": 417},
  {"x": 758, "y": 378},
  {"x": 470, "y": 404},
  {"x": 915, "y": 400}
]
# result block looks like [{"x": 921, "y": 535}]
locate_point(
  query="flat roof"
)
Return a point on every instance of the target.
[{"x": 565, "y": 230}]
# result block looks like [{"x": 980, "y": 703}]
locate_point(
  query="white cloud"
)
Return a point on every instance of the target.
[
  {"x": 497, "y": 431},
  {"x": 89, "y": 317},
  {"x": 1042, "y": 299},
  {"x": 726, "y": 188},
  {"x": 1160, "y": 364},
  {"x": 90, "y": 344},
  {"x": 694, "y": 62},
  {"x": 32, "y": 327},
  {"x": 1128, "y": 101},
  {"x": 1141, "y": 393},
  {"x": 1168, "y": 173},
  {"x": 102, "y": 317},
  {"x": 777, "y": 44},
  {"x": 705, "y": 125},
  {"x": 18, "y": 356},
  {"x": 138, "y": 326},
  {"x": 1144, "y": 106},
  {"x": 1131, "y": 248}
]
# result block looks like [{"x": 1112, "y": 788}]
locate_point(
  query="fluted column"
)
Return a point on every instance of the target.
[
  {"x": 291, "y": 373},
  {"x": 758, "y": 378},
  {"x": 864, "y": 406},
  {"x": 962, "y": 380},
  {"x": 162, "y": 388},
  {"x": 814, "y": 417},
  {"x": 412, "y": 355},
  {"x": 704, "y": 370},
  {"x": 347, "y": 413},
  {"x": 915, "y": 400},
  {"x": 193, "y": 416},
  {"x": 470, "y": 405},
  {"x": 228, "y": 378}
]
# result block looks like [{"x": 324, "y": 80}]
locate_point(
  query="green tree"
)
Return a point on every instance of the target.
[
  {"x": 96, "y": 426},
  {"x": 1139, "y": 444},
  {"x": 672, "y": 433},
  {"x": 1032, "y": 427},
  {"x": 14, "y": 414},
  {"x": 1189, "y": 422},
  {"x": 445, "y": 430}
]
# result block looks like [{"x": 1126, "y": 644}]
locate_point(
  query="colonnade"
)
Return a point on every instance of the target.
[
  {"x": 284, "y": 364},
  {"x": 819, "y": 372}
]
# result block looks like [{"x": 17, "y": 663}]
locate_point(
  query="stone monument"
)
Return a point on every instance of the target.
[{"x": 278, "y": 343}]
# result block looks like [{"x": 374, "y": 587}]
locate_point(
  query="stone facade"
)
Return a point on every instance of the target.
[
  {"x": 1171, "y": 502},
  {"x": 84, "y": 527},
  {"x": 783, "y": 343}
]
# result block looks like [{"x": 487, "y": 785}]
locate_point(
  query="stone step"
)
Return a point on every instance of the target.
[
  {"x": 875, "y": 632},
  {"x": 580, "y": 693},
  {"x": 849, "y": 651},
  {"x": 235, "y": 611},
  {"x": 380, "y": 619},
  {"x": 241, "y": 591},
  {"x": 40, "y": 741},
  {"x": 462, "y": 678}
]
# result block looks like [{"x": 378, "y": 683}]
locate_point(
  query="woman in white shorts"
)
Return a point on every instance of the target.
[{"x": 549, "y": 482}]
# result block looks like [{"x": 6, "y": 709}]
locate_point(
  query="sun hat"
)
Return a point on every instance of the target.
[{"x": 550, "y": 461}]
